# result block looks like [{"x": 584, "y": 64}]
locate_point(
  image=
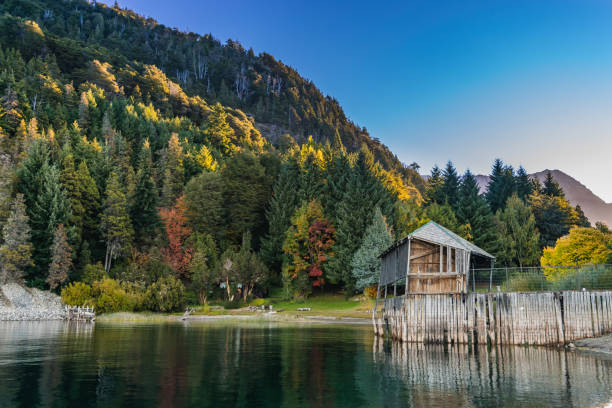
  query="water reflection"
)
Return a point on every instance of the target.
[
  {"x": 507, "y": 375},
  {"x": 276, "y": 365}
]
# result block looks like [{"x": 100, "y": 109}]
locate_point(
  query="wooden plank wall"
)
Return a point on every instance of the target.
[{"x": 539, "y": 318}]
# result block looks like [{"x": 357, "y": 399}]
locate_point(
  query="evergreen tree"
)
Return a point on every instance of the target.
[
  {"x": 174, "y": 173},
  {"x": 70, "y": 183},
  {"x": 581, "y": 218},
  {"x": 444, "y": 215},
  {"x": 143, "y": 208},
  {"x": 337, "y": 175},
  {"x": 281, "y": 208},
  {"x": 16, "y": 251},
  {"x": 554, "y": 217},
  {"x": 90, "y": 202},
  {"x": 474, "y": 211},
  {"x": 450, "y": 186},
  {"x": 518, "y": 235},
  {"x": 46, "y": 203},
  {"x": 366, "y": 264},
  {"x": 115, "y": 226},
  {"x": 524, "y": 185},
  {"x": 435, "y": 185},
  {"x": 61, "y": 258},
  {"x": 551, "y": 187},
  {"x": 363, "y": 194},
  {"x": 501, "y": 186}
]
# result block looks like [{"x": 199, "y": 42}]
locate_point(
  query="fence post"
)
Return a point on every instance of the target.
[
  {"x": 506, "y": 279},
  {"x": 473, "y": 280},
  {"x": 491, "y": 276}
]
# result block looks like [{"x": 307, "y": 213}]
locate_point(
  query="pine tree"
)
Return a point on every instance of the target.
[
  {"x": 61, "y": 258},
  {"x": 174, "y": 173},
  {"x": 143, "y": 208},
  {"x": 366, "y": 264},
  {"x": 46, "y": 203},
  {"x": 90, "y": 201},
  {"x": 204, "y": 204},
  {"x": 524, "y": 185},
  {"x": 435, "y": 184},
  {"x": 518, "y": 235},
  {"x": 450, "y": 186},
  {"x": 554, "y": 217},
  {"x": 551, "y": 187},
  {"x": 474, "y": 211},
  {"x": 582, "y": 220},
  {"x": 337, "y": 175},
  {"x": 116, "y": 226},
  {"x": 281, "y": 208},
  {"x": 70, "y": 183},
  {"x": 501, "y": 186},
  {"x": 363, "y": 194},
  {"x": 16, "y": 251}
]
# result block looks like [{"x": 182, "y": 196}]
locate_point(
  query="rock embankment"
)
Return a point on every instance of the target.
[{"x": 21, "y": 303}]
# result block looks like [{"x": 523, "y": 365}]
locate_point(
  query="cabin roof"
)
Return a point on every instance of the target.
[{"x": 437, "y": 234}]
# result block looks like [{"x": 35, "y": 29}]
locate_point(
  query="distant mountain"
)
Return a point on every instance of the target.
[{"x": 594, "y": 207}]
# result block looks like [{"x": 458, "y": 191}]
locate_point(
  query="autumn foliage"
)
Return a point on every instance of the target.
[
  {"x": 177, "y": 254},
  {"x": 308, "y": 248}
]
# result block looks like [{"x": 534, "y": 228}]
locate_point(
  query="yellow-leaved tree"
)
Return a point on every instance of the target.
[{"x": 582, "y": 246}]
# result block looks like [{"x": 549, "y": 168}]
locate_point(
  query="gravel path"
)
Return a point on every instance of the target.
[{"x": 20, "y": 303}]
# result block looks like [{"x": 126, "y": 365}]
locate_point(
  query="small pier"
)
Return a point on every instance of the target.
[{"x": 80, "y": 313}]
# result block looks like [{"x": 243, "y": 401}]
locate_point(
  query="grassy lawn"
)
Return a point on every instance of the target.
[{"x": 326, "y": 304}]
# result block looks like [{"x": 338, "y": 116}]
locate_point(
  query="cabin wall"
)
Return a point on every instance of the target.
[{"x": 435, "y": 268}]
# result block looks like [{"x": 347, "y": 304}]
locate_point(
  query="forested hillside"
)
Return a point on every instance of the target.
[{"x": 134, "y": 173}]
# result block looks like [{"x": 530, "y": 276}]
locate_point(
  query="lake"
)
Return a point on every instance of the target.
[{"x": 269, "y": 364}]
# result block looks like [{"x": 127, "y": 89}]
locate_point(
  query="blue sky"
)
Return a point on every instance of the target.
[{"x": 468, "y": 81}]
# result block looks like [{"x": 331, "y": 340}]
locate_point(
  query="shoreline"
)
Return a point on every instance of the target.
[{"x": 124, "y": 317}]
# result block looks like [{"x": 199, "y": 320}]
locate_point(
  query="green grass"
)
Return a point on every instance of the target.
[{"x": 332, "y": 305}]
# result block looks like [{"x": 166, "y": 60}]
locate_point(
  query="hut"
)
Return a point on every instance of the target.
[{"x": 432, "y": 259}]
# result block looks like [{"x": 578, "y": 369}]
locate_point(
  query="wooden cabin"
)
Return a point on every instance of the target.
[{"x": 432, "y": 259}]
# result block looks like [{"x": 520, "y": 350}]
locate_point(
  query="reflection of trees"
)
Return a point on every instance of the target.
[
  {"x": 272, "y": 365},
  {"x": 516, "y": 376}
]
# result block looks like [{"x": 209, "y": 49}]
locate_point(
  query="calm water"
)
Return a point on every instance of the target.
[{"x": 272, "y": 365}]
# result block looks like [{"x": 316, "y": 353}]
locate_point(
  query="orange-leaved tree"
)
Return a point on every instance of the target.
[{"x": 177, "y": 254}]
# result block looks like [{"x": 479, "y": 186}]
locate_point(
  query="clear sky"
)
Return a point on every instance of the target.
[{"x": 468, "y": 81}]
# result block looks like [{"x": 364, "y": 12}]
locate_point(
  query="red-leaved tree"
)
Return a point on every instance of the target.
[
  {"x": 321, "y": 239},
  {"x": 177, "y": 254}
]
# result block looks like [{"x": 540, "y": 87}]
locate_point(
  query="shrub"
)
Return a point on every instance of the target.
[
  {"x": 165, "y": 295},
  {"x": 258, "y": 302},
  {"x": 77, "y": 294},
  {"x": 526, "y": 282},
  {"x": 589, "y": 277},
  {"x": 111, "y": 297},
  {"x": 232, "y": 304}
]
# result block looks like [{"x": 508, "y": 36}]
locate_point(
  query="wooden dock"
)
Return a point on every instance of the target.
[
  {"x": 79, "y": 313},
  {"x": 538, "y": 318}
]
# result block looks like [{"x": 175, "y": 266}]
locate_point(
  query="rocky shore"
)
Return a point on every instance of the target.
[{"x": 21, "y": 303}]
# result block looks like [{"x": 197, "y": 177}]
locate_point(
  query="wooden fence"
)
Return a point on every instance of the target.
[{"x": 543, "y": 318}]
